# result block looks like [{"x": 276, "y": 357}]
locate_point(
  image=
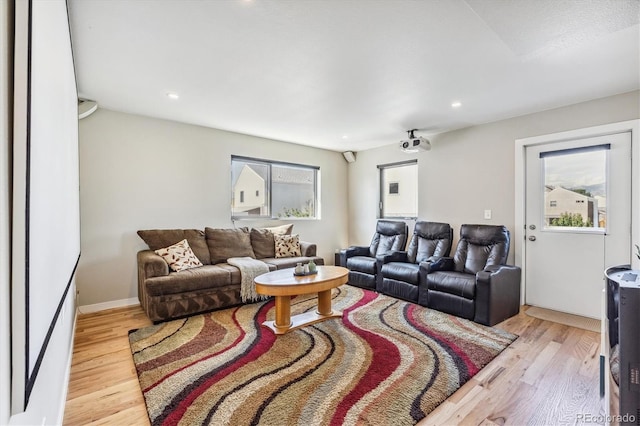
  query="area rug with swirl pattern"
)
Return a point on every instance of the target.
[{"x": 386, "y": 362}]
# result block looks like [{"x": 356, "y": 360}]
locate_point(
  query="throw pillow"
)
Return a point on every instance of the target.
[
  {"x": 160, "y": 238},
  {"x": 287, "y": 246},
  {"x": 281, "y": 230},
  {"x": 179, "y": 256},
  {"x": 226, "y": 243},
  {"x": 263, "y": 243}
]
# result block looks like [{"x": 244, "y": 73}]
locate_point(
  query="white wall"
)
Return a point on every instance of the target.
[
  {"x": 142, "y": 173},
  {"x": 472, "y": 169}
]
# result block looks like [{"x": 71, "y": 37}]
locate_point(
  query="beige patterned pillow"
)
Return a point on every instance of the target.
[
  {"x": 287, "y": 245},
  {"x": 179, "y": 256},
  {"x": 281, "y": 230}
]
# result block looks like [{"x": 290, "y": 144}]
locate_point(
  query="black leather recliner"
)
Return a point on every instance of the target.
[
  {"x": 399, "y": 271},
  {"x": 474, "y": 284},
  {"x": 361, "y": 260}
]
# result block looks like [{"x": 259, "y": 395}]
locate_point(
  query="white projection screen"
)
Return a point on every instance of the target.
[{"x": 46, "y": 214}]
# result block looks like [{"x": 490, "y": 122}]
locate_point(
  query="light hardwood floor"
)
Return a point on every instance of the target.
[{"x": 548, "y": 376}]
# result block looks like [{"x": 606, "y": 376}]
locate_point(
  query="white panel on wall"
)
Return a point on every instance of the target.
[
  {"x": 46, "y": 221},
  {"x": 6, "y": 58}
]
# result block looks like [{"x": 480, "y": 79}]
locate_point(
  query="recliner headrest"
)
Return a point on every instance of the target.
[
  {"x": 389, "y": 227},
  {"x": 484, "y": 235},
  {"x": 432, "y": 230}
]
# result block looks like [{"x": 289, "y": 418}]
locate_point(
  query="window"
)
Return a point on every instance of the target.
[
  {"x": 282, "y": 190},
  {"x": 575, "y": 184},
  {"x": 399, "y": 190}
]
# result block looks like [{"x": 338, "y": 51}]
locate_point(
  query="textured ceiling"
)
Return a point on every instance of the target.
[
  {"x": 353, "y": 74},
  {"x": 542, "y": 27}
]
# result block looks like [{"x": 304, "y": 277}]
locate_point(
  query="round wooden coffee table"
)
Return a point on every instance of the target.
[{"x": 283, "y": 284}]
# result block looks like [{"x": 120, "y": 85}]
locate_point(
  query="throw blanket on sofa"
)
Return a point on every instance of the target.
[{"x": 249, "y": 269}]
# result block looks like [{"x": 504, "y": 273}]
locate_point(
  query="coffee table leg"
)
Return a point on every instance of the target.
[
  {"x": 283, "y": 311},
  {"x": 324, "y": 302}
]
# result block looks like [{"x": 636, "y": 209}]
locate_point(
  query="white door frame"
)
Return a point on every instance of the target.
[{"x": 632, "y": 126}]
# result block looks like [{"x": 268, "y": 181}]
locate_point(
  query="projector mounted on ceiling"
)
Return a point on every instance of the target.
[{"x": 414, "y": 143}]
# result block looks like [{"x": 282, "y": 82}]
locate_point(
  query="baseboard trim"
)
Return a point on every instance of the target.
[{"x": 87, "y": 309}]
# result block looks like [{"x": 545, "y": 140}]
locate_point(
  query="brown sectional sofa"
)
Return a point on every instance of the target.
[{"x": 166, "y": 295}]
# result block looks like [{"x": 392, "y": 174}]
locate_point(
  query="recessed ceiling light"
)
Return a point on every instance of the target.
[
  {"x": 172, "y": 95},
  {"x": 345, "y": 136},
  {"x": 456, "y": 104}
]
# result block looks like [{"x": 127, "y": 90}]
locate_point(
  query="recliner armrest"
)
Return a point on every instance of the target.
[
  {"x": 393, "y": 256},
  {"x": 353, "y": 251},
  {"x": 437, "y": 264},
  {"x": 432, "y": 264},
  {"x": 308, "y": 249},
  {"x": 497, "y": 294},
  {"x": 494, "y": 270}
]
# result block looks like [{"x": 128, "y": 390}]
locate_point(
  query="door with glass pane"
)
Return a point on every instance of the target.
[{"x": 578, "y": 220}]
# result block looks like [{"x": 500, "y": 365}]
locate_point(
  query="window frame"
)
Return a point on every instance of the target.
[
  {"x": 382, "y": 190},
  {"x": 269, "y": 188}
]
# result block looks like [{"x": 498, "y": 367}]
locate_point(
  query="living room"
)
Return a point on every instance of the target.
[{"x": 139, "y": 171}]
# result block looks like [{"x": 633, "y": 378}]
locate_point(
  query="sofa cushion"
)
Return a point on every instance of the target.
[
  {"x": 179, "y": 256},
  {"x": 263, "y": 243},
  {"x": 226, "y": 243},
  {"x": 160, "y": 238},
  {"x": 287, "y": 246},
  {"x": 262, "y": 240},
  {"x": 195, "y": 279}
]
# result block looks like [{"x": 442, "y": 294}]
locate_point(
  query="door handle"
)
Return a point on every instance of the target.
[{"x": 532, "y": 238}]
